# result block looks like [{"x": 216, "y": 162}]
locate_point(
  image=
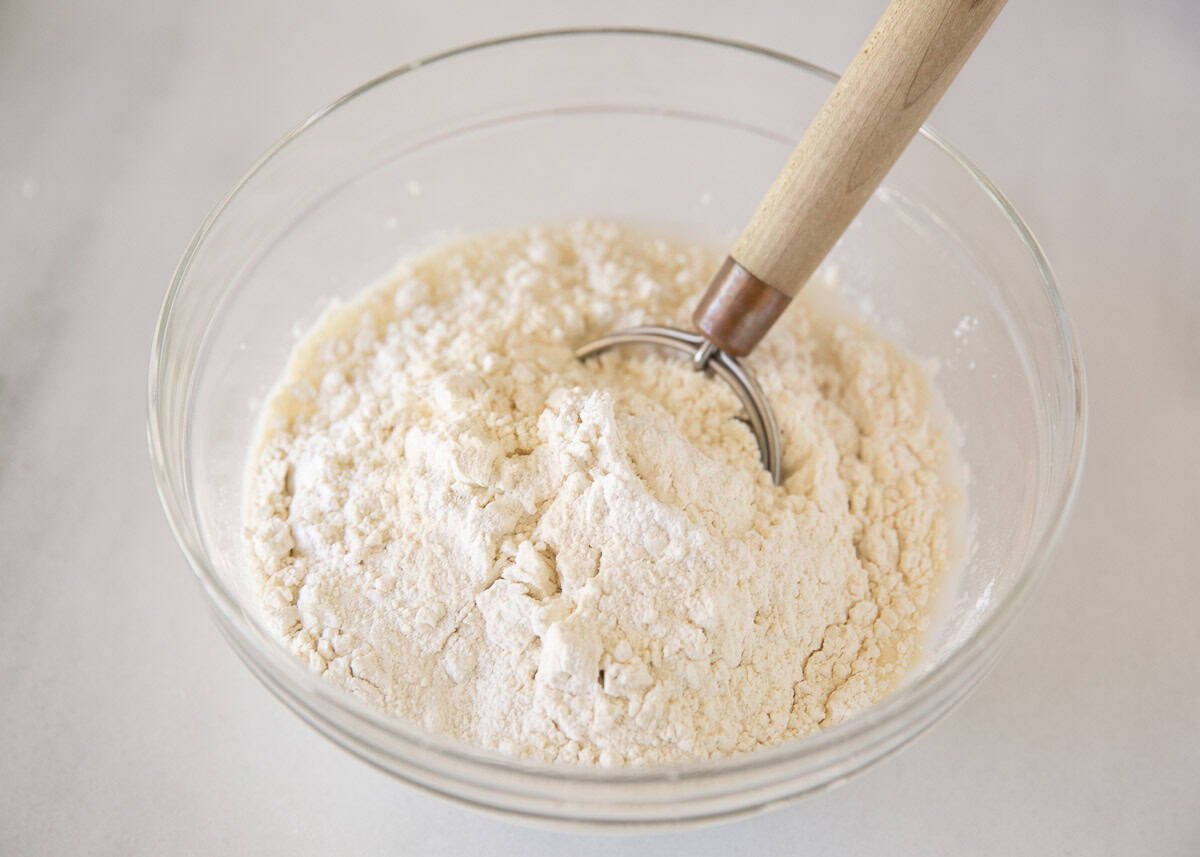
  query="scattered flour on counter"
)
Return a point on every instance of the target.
[{"x": 459, "y": 523}]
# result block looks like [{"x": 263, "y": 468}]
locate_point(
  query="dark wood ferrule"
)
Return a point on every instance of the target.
[{"x": 738, "y": 309}]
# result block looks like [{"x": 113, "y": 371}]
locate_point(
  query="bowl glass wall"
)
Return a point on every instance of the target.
[{"x": 669, "y": 132}]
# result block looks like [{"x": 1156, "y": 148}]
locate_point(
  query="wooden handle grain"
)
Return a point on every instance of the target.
[{"x": 900, "y": 73}]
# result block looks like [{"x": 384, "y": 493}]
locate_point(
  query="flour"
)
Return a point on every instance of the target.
[{"x": 462, "y": 525}]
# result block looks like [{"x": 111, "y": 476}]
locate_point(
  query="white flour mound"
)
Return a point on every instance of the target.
[{"x": 459, "y": 523}]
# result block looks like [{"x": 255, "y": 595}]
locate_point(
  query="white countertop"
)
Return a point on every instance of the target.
[{"x": 128, "y": 726}]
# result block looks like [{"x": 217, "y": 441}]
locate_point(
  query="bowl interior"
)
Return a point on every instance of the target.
[{"x": 680, "y": 136}]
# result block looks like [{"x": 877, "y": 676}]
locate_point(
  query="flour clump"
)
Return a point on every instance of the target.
[{"x": 455, "y": 520}]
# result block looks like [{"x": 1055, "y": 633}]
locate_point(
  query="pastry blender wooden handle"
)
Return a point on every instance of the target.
[{"x": 900, "y": 73}]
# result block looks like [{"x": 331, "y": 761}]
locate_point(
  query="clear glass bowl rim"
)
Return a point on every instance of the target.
[{"x": 177, "y": 502}]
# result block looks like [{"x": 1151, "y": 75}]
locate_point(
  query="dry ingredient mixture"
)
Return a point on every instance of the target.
[{"x": 459, "y": 523}]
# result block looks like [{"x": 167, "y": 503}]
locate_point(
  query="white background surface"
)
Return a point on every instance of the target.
[{"x": 127, "y": 726}]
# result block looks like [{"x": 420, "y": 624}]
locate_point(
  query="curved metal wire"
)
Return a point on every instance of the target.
[{"x": 705, "y": 355}]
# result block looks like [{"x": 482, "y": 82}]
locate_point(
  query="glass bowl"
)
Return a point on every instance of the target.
[{"x": 667, "y": 131}]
